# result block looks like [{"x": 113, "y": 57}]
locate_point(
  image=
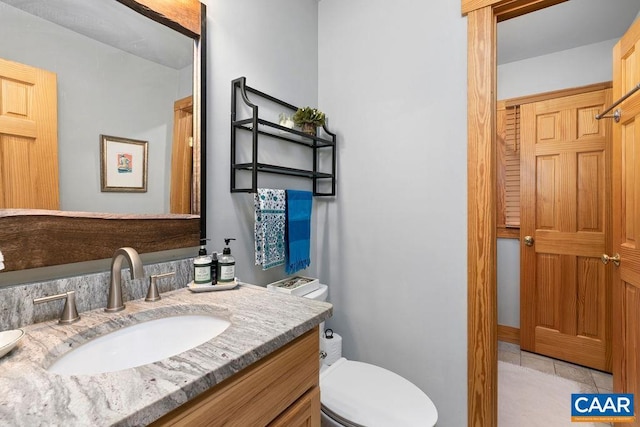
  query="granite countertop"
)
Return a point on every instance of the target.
[{"x": 261, "y": 322}]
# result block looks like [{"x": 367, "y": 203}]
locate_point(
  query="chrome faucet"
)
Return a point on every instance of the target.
[{"x": 115, "y": 289}]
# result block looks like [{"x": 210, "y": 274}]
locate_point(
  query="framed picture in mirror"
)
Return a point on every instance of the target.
[{"x": 123, "y": 164}]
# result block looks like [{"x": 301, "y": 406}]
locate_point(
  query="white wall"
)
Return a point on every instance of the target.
[
  {"x": 392, "y": 246},
  {"x": 274, "y": 45},
  {"x": 101, "y": 90},
  {"x": 508, "y": 278},
  {"x": 570, "y": 68}
]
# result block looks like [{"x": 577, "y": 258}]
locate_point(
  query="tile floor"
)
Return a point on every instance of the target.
[{"x": 596, "y": 381}]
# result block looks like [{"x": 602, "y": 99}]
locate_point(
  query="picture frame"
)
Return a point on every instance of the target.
[{"x": 123, "y": 164}]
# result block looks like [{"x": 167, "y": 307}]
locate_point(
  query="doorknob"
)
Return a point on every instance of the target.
[
  {"x": 528, "y": 240},
  {"x": 606, "y": 258}
]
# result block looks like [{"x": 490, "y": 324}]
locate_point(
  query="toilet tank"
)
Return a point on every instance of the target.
[{"x": 319, "y": 294}]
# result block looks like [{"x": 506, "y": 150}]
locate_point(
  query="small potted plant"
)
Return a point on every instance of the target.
[{"x": 309, "y": 119}]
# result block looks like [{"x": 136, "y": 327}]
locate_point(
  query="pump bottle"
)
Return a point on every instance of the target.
[
  {"x": 202, "y": 266},
  {"x": 226, "y": 264}
]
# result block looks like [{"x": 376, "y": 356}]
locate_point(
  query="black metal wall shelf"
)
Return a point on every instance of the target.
[{"x": 259, "y": 127}]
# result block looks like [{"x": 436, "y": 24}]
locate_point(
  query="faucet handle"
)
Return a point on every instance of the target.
[
  {"x": 152, "y": 293},
  {"x": 69, "y": 312}
]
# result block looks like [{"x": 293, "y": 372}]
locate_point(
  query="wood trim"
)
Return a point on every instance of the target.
[
  {"x": 617, "y": 290},
  {"x": 259, "y": 393},
  {"x": 182, "y": 16},
  {"x": 482, "y": 383},
  {"x": 515, "y": 8},
  {"x": 31, "y": 241},
  {"x": 529, "y": 99},
  {"x": 527, "y": 200},
  {"x": 608, "y": 233},
  {"x": 481, "y": 221},
  {"x": 509, "y": 334},
  {"x": 507, "y": 9},
  {"x": 508, "y": 233},
  {"x": 185, "y": 104}
]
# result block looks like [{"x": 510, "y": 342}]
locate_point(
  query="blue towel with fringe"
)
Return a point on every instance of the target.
[{"x": 298, "y": 237}]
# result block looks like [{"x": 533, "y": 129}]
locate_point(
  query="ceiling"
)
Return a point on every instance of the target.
[
  {"x": 116, "y": 25},
  {"x": 565, "y": 26}
]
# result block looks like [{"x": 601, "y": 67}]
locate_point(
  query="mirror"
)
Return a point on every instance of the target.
[
  {"x": 128, "y": 69},
  {"x": 118, "y": 73}
]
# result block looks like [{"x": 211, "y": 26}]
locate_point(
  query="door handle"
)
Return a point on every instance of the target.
[
  {"x": 528, "y": 240},
  {"x": 606, "y": 258}
]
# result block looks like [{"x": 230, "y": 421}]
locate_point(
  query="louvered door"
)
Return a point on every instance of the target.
[{"x": 508, "y": 174}]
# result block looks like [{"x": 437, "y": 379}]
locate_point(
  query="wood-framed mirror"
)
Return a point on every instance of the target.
[{"x": 82, "y": 226}]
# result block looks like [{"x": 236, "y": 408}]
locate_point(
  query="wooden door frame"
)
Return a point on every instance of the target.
[{"x": 482, "y": 318}]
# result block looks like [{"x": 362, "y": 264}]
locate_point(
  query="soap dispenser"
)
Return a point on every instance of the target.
[
  {"x": 226, "y": 264},
  {"x": 202, "y": 266}
]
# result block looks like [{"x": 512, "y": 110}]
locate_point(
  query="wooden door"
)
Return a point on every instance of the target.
[
  {"x": 182, "y": 157},
  {"x": 565, "y": 208},
  {"x": 626, "y": 214},
  {"x": 28, "y": 137}
]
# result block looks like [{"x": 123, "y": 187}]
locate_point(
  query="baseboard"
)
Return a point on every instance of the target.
[{"x": 509, "y": 334}]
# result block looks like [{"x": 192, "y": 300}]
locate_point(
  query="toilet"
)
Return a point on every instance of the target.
[{"x": 357, "y": 394}]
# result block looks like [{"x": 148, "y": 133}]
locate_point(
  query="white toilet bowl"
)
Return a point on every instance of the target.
[{"x": 357, "y": 394}]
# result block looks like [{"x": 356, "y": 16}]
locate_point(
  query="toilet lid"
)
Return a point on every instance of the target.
[{"x": 368, "y": 395}]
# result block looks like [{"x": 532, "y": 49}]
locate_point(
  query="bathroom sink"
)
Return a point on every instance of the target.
[{"x": 140, "y": 344}]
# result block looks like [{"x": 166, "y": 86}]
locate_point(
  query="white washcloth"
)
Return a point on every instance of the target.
[{"x": 1, "y": 261}]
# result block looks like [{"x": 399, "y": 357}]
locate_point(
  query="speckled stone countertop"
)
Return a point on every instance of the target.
[{"x": 261, "y": 322}]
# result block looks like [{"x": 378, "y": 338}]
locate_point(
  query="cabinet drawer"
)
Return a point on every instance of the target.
[
  {"x": 258, "y": 394},
  {"x": 304, "y": 413}
]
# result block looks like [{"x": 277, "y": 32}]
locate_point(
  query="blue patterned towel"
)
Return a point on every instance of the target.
[
  {"x": 269, "y": 227},
  {"x": 298, "y": 230}
]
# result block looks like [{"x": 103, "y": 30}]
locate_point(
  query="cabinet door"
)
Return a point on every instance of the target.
[
  {"x": 305, "y": 412},
  {"x": 258, "y": 394}
]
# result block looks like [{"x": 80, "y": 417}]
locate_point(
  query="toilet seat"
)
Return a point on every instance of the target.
[{"x": 359, "y": 394}]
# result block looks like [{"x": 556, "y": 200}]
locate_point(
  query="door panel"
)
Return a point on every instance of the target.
[
  {"x": 565, "y": 289},
  {"x": 28, "y": 137},
  {"x": 182, "y": 158},
  {"x": 626, "y": 211}
]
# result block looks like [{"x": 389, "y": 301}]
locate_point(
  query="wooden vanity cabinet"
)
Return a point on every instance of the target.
[
  {"x": 304, "y": 413},
  {"x": 281, "y": 389}
]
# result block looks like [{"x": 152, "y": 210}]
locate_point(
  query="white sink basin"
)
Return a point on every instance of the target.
[{"x": 140, "y": 344}]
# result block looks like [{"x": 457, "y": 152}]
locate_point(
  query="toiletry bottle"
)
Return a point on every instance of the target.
[
  {"x": 202, "y": 266},
  {"x": 214, "y": 268},
  {"x": 226, "y": 265}
]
